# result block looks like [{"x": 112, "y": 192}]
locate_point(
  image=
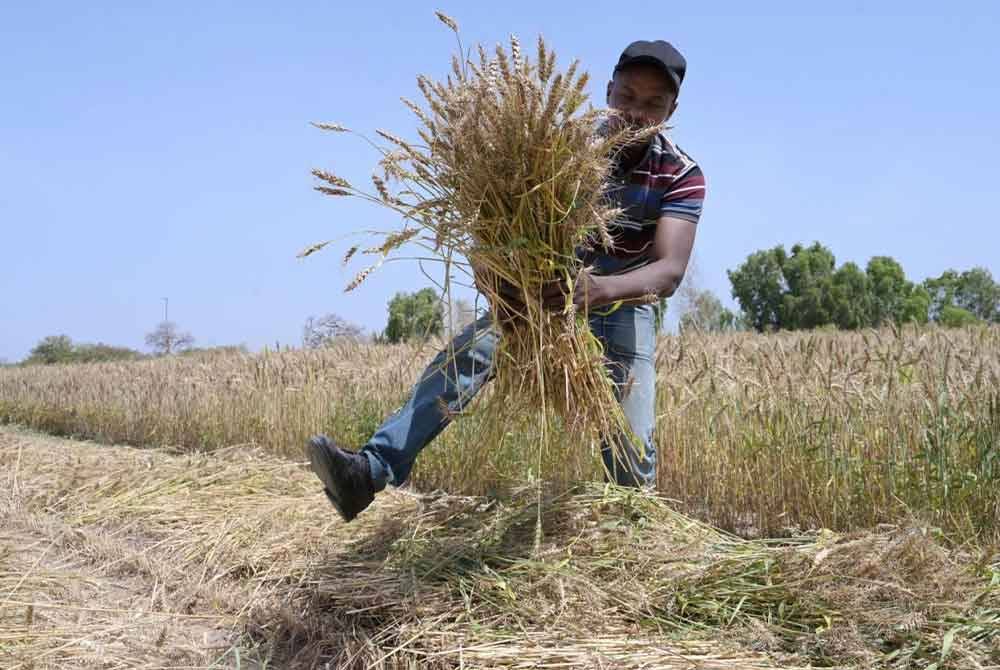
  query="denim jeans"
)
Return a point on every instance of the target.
[{"x": 459, "y": 371}]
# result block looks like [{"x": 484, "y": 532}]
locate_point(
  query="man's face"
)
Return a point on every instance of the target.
[{"x": 643, "y": 93}]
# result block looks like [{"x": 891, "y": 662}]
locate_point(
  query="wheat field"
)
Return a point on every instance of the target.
[
  {"x": 759, "y": 435},
  {"x": 825, "y": 500}
]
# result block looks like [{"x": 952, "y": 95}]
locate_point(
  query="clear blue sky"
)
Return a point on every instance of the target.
[{"x": 163, "y": 149}]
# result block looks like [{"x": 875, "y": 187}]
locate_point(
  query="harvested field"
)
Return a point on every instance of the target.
[{"x": 119, "y": 557}]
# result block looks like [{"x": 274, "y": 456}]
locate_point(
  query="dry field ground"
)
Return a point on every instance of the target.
[
  {"x": 117, "y": 557},
  {"x": 120, "y": 557}
]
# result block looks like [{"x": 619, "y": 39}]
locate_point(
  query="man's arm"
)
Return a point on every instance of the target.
[{"x": 672, "y": 246}]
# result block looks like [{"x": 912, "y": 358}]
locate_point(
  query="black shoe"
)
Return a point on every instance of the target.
[{"x": 346, "y": 476}]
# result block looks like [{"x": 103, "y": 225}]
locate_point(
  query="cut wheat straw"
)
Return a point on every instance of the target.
[{"x": 109, "y": 555}]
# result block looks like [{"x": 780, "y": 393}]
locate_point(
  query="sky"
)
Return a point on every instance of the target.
[{"x": 163, "y": 149}]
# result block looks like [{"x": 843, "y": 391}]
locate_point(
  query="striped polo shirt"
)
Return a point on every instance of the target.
[{"x": 666, "y": 182}]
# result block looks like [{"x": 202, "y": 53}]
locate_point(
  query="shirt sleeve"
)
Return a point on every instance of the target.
[{"x": 684, "y": 198}]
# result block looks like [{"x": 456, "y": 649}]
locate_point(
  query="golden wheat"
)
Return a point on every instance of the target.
[{"x": 760, "y": 434}]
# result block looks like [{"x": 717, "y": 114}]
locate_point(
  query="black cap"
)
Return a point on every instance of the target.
[{"x": 659, "y": 53}]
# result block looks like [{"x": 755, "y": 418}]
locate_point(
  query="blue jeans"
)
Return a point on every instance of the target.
[{"x": 458, "y": 372}]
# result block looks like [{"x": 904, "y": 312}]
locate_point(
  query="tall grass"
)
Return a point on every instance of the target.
[{"x": 759, "y": 434}]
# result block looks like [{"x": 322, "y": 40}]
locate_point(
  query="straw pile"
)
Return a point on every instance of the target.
[{"x": 510, "y": 175}]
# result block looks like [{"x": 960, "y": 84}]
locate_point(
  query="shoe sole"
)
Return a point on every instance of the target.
[{"x": 324, "y": 459}]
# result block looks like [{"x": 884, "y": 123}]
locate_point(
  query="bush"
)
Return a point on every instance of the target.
[
  {"x": 956, "y": 317},
  {"x": 102, "y": 353},
  {"x": 61, "y": 349}
]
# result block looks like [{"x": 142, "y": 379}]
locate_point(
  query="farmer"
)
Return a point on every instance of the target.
[{"x": 660, "y": 190}]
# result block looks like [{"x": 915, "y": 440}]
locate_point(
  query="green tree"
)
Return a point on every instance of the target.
[
  {"x": 894, "y": 298},
  {"x": 973, "y": 291},
  {"x": 414, "y": 315},
  {"x": 916, "y": 306},
  {"x": 759, "y": 287},
  {"x": 52, "y": 349},
  {"x": 979, "y": 294},
  {"x": 805, "y": 289},
  {"x": 808, "y": 273},
  {"x": 941, "y": 291},
  {"x": 61, "y": 349},
  {"x": 102, "y": 353},
  {"x": 850, "y": 297},
  {"x": 956, "y": 317}
]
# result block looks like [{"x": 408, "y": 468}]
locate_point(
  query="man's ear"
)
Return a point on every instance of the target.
[{"x": 608, "y": 94}]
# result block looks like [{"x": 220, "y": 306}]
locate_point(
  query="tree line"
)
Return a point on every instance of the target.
[
  {"x": 804, "y": 288},
  {"x": 417, "y": 315},
  {"x": 165, "y": 340},
  {"x": 775, "y": 289}
]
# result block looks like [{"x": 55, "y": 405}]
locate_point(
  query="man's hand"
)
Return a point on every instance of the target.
[
  {"x": 586, "y": 292},
  {"x": 507, "y": 298}
]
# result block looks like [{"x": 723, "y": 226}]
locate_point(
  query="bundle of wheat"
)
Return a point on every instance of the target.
[{"x": 511, "y": 175}]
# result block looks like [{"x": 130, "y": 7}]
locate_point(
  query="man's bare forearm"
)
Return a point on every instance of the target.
[{"x": 642, "y": 286}]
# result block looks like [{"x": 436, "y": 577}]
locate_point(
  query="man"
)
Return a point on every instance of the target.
[{"x": 661, "y": 191}]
